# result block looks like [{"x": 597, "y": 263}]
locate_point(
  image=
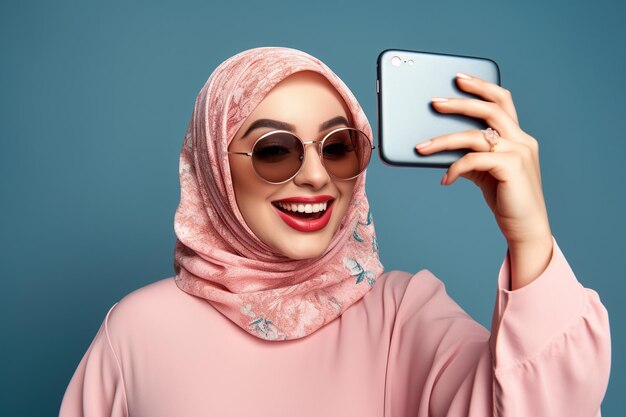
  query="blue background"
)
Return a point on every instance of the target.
[{"x": 95, "y": 101}]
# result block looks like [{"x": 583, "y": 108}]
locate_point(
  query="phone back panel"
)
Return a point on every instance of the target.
[{"x": 405, "y": 113}]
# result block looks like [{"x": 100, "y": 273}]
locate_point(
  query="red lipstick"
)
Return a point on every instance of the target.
[{"x": 302, "y": 224}]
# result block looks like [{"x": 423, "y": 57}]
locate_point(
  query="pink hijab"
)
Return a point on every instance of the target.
[{"x": 218, "y": 258}]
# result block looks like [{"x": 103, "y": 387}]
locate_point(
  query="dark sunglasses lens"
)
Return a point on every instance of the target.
[
  {"x": 346, "y": 153},
  {"x": 277, "y": 157}
]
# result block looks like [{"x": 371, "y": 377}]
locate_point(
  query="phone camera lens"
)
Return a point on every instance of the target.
[{"x": 396, "y": 61}]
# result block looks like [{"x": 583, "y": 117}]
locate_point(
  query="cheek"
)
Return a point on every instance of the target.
[
  {"x": 250, "y": 191},
  {"x": 346, "y": 188},
  {"x": 243, "y": 176}
]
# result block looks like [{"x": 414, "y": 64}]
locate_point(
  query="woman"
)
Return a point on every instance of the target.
[{"x": 280, "y": 305}]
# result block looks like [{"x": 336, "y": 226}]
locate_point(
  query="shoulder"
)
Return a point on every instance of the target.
[
  {"x": 399, "y": 284},
  {"x": 158, "y": 304},
  {"x": 421, "y": 294},
  {"x": 426, "y": 317}
]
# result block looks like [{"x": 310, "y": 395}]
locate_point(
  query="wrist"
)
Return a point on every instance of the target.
[
  {"x": 541, "y": 240},
  {"x": 529, "y": 260}
]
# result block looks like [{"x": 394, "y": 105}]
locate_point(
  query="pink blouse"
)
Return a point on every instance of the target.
[{"x": 405, "y": 349}]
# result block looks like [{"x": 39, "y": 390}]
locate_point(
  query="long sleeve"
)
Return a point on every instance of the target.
[
  {"x": 97, "y": 386},
  {"x": 551, "y": 344},
  {"x": 548, "y": 352}
]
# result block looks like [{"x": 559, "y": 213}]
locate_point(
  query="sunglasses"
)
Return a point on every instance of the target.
[{"x": 277, "y": 156}]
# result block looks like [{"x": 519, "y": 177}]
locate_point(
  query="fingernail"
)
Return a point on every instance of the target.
[
  {"x": 463, "y": 75},
  {"x": 444, "y": 179},
  {"x": 439, "y": 99},
  {"x": 423, "y": 144}
]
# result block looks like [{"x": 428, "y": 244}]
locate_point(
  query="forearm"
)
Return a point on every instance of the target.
[{"x": 529, "y": 260}]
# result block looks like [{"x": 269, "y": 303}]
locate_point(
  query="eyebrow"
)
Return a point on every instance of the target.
[{"x": 276, "y": 124}]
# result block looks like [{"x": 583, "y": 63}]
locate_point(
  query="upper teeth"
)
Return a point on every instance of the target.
[{"x": 303, "y": 208}]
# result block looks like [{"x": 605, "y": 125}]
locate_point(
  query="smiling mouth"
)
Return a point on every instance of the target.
[{"x": 308, "y": 211}]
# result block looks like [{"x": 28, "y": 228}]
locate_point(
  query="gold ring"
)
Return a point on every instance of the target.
[{"x": 492, "y": 137}]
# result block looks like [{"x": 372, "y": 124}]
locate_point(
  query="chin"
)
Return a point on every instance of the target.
[{"x": 306, "y": 249}]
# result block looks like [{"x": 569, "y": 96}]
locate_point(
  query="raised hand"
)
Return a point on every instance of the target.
[{"x": 509, "y": 175}]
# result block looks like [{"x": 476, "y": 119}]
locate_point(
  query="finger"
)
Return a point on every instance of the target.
[
  {"x": 475, "y": 140},
  {"x": 490, "y": 112},
  {"x": 489, "y": 91},
  {"x": 469, "y": 139},
  {"x": 498, "y": 164}
]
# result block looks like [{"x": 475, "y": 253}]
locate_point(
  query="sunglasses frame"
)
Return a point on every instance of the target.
[{"x": 319, "y": 150}]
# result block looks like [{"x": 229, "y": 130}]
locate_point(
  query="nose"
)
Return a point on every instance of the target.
[{"x": 312, "y": 173}]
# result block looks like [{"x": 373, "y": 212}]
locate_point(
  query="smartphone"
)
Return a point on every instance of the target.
[{"x": 406, "y": 82}]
